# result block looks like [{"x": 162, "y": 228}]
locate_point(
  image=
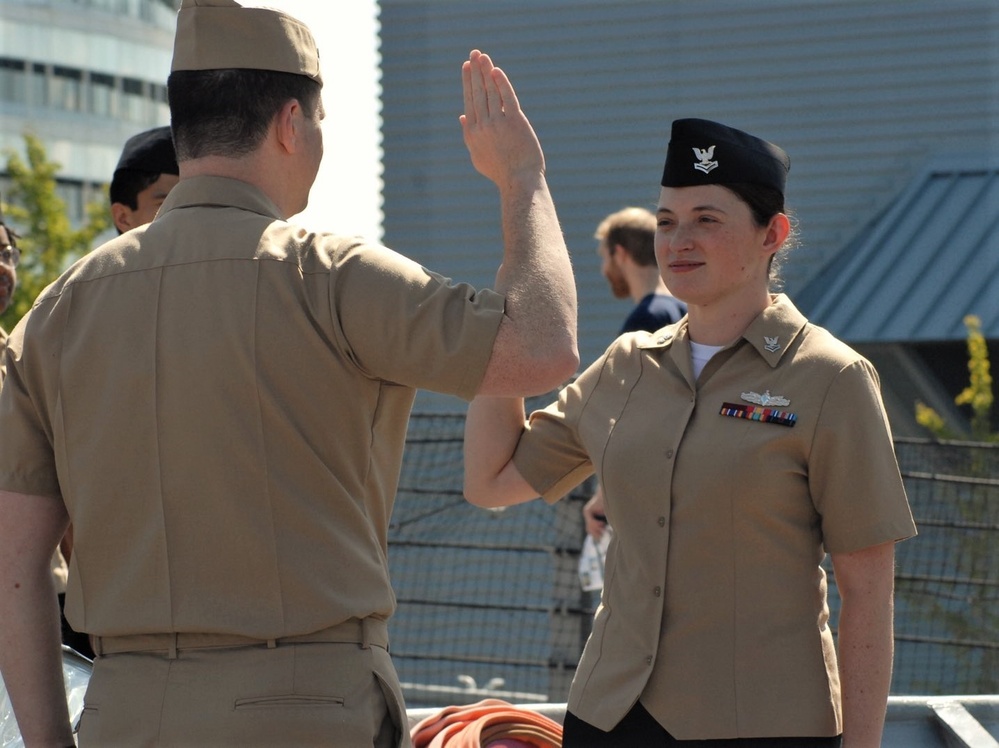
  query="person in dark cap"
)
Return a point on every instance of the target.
[
  {"x": 735, "y": 450},
  {"x": 144, "y": 176},
  {"x": 219, "y": 402}
]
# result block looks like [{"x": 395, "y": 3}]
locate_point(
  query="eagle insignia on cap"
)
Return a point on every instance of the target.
[
  {"x": 766, "y": 399},
  {"x": 705, "y": 157}
]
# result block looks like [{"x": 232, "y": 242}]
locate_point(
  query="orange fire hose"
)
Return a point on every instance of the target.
[{"x": 491, "y": 723}]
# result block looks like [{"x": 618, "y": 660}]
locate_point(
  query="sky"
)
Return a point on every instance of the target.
[{"x": 346, "y": 197}]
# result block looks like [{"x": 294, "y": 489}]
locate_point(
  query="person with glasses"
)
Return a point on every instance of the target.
[{"x": 10, "y": 255}]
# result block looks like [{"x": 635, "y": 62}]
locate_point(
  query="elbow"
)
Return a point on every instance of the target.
[
  {"x": 567, "y": 364},
  {"x": 472, "y": 496},
  {"x": 526, "y": 363},
  {"x": 554, "y": 367},
  {"x": 478, "y": 496}
]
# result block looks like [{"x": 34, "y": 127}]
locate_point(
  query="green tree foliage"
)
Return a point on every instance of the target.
[
  {"x": 969, "y": 620},
  {"x": 48, "y": 242},
  {"x": 977, "y": 395}
]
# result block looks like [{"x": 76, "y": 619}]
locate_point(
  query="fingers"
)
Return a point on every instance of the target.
[
  {"x": 466, "y": 89},
  {"x": 485, "y": 88},
  {"x": 504, "y": 89}
]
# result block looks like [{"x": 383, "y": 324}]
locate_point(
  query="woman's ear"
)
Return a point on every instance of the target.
[{"x": 777, "y": 232}]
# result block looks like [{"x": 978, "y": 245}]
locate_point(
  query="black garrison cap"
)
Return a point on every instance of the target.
[
  {"x": 705, "y": 152},
  {"x": 150, "y": 151}
]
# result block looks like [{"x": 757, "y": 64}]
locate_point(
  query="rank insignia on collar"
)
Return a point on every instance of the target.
[
  {"x": 771, "y": 344},
  {"x": 766, "y": 399}
]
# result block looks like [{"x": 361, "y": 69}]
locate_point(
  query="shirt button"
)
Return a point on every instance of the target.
[
  {"x": 669, "y": 453},
  {"x": 662, "y": 522},
  {"x": 648, "y": 660},
  {"x": 657, "y": 591}
]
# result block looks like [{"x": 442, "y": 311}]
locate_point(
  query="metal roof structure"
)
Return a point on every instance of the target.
[
  {"x": 860, "y": 93},
  {"x": 917, "y": 269}
]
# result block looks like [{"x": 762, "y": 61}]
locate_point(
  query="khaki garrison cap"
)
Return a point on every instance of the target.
[{"x": 222, "y": 34}]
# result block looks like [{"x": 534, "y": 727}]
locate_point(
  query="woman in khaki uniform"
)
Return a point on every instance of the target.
[{"x": 736, "y": 448}]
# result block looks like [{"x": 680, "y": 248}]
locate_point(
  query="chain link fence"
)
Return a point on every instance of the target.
[{"x": 490, "y": 602}]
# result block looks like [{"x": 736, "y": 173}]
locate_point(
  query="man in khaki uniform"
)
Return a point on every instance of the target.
[{"x": 219, "y": 400}]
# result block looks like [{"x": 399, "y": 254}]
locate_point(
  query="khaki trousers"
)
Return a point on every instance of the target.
[{"x": 293, "y": 694}]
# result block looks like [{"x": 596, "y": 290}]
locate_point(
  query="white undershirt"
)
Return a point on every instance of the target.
[{"x": 700, "y": 354}]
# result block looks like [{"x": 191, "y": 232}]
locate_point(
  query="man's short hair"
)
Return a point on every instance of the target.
[
  {"x": 227, "y": 112},
  {"x": 632, "y": 228},
  {"x": 144, "y": 158},
  {"x": 128, "y": 183}
]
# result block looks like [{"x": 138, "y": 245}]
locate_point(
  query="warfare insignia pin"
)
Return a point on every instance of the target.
[{"x": 766, "y": 399}]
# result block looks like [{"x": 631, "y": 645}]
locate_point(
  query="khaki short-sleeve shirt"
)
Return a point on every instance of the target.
[
  {"x": 725, "y": 495},
  {"x": 221, "y": 401}
]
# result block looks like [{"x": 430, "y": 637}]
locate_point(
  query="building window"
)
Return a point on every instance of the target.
[
  {"x": 71, "y": 193},
  {"x": 102, "y": 94},
  {"x": 133, "y": 99},
  {"x": 37, "y": 85},
  {"x": 158, "y": 94},
  {"x": 66, "y": 89},
  {"x": 13, "y": 80}
]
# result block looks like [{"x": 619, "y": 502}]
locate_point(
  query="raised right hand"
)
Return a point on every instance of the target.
[{"x": 499, "y": 138}]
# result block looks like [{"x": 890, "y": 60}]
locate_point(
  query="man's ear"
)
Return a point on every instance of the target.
[
  {"x": 121, "y": 214},
  {"x": 620, "y": 254},
  {"x": 286, "y": 124}
]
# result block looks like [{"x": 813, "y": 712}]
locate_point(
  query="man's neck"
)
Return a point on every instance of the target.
[
  {"x": 251, "y": 169},
  {"x": 649, "y": 281}
]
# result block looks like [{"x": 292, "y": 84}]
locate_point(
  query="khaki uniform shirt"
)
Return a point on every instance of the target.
[
  {"x": 714, "y": 607},
  {"x": 221, "y": 401}
]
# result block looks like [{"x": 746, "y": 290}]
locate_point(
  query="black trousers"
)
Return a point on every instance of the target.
[{"x": 639, "y": 729}]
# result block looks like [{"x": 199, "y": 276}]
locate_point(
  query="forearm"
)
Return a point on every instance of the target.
[
  {"x": 537, "y": 338},
  {"x": 536, "y": 274},
  {"x": 866, "y": 583},
  {"x": 30, "y": 636},
  {"x": 493, "y": 427},
  {"x": 31, "y": 659},
  {"x": 865, "y": 652},
  {"x": 535, "y": 346}
]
